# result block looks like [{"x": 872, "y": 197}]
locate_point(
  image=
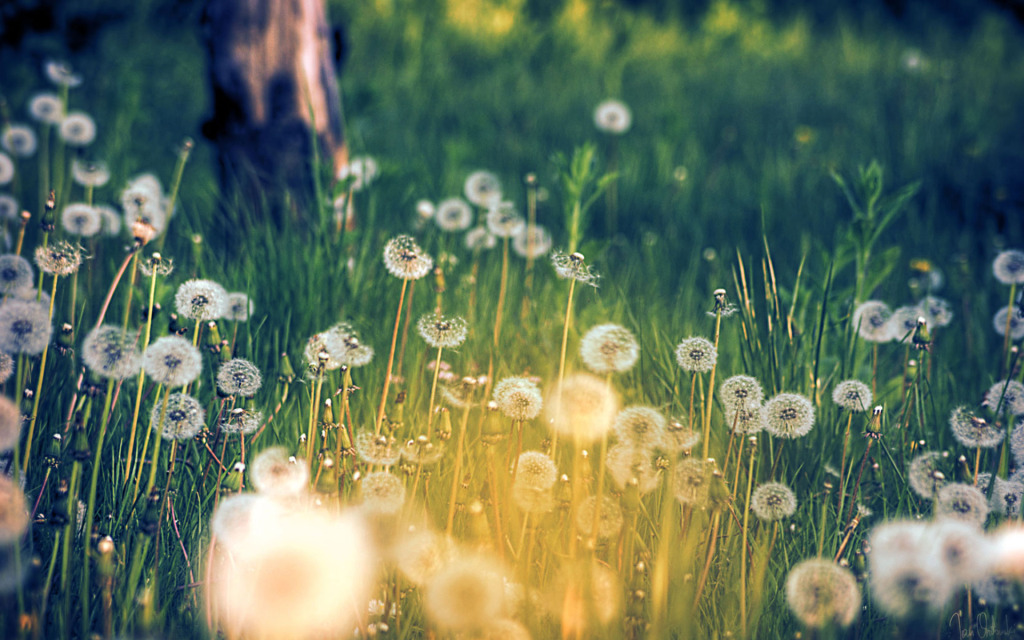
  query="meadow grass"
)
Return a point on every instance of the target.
[{"x": 802, "y": 171}]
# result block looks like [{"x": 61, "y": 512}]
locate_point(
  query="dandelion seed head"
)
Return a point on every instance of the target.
[
  {"x": 584, "y": 408},
  {"x": 275, "y": 472},
  {"x": 959, "y": 547},
  {"x": 90, "y": 174},
  {"x": 641, "y": 427},
  {"x": 922, "y": 474},
  {"x": 421, "y": 553},
  {"x": 536, "y": 470},
  {"x": 996, "y": 590},
  {"x": 9, "y": 207},
  {"x": 696, "y": 354},
  {"x": 20, "y": 140},
  {"x": 142, "y": 204},
  {"x": 441, "y": 331},
  {"x": 405, "y": 260},
  {"x": 613, "y": 116},
  {"x": 691, "y": 481},
  {"x": 532, "y": 242},
  {"x": 184, "y": 418},
  {"x": 479, "y": 238},
  {"x": 903, "y": 322},
  {"x": 200, "y": 300},
  {"x": 483, "y": 188},
  {"x": 999, "y": 322},
  {"x": 81, "y": 219},
  {"x": 361, "y": 170},
  {"x": 24, "y": 327},
  {"x": 572, "y": 266},
  {"x": 467, "y": 594},
  {"x": 1006, "y": 498},
  {"x": 14, "y": 516},
  {"x": 60, "y": 73},
  {"x": 15, "y": 273},
  {"x": 239, "y": 377},
  {"x": 377, "y": 449},
  {"x": 111, "y": 352},
  {"x": 852, "y": 395},
  {"x": 59, "y": 258},
  {"x": 532, "y": 499},
  {"x": 238, "y": 307},
  {"x": 518, "y": 398},
  {"x": 6, "y": 169},
  {"x": 741, "y": 392},
  {"x": 788, "y": 415},
  {"x": 422, "y": 451},
  {"x": 172, "y": 361},
  {"x": 46, "y": 107},
  {"x": 626, "y": 464},
  {"x": 282, "y": 580},
  {"x": 453, "y": 214},
  {"x": 6, "y": 366},
  {"x": 608, "y": 514},
  {"x": 1016, "y": 443},
  {"x": 680, "y": 437},
  {"x": 608, "y": 348},
  {"x": 773, "y": 501},
  {"x": 1008, "y": 267},
  {"x": 243, "y": 421},
  {"x": 821, "y": 593},
  {"x": 1005, "y": 395},
  {"x": 971, "y": 430},
  {"x": 962, "y": 502},
  {"x": 937, "y": 312},
  {"x": 503, "y": 221},
  {"x": 903, "y": 586},
  {"x": 871, "y": 319},
  {"x": 78, "y": 129}
]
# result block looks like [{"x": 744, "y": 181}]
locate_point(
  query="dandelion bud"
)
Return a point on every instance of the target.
[
  {"x": 48, "y": 222},
  {"x": 80, "y": 449},
  {"x": 52, "y": 456}
]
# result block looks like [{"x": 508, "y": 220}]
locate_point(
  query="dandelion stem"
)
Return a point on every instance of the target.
[
  {"x": 39, "y": 390},
  {"x": 711, "y": 384},
  {"x": 391, "y": 359},
  {"x": 433, "y": 393},
  {"x": 142, "y": 378},
  {"x": 743, "y": 546},
  {"x": 91, "y": 507},
  {"x": 457, "y": 471},
  {"x": 842, "y": 466},
  {"x": 561, "y": 364},
  {"x": 1006, "y": 331}
]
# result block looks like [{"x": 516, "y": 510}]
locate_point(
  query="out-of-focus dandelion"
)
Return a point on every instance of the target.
[
  {"x": 482, "y": 188},
  {"x": 479, "y": 238},
  {"x": 1008, "y": 267},
  {"x": 608, "y": 517},
  {"x": 15, "y": 273},
  {"x": 238, "y": 307},
  {"x": 61, "y": 74},
  {"x": 641, "y": 427},
  {"x": 961, "y": 502},
  {"x": 820, "y": 593},
  {"x": 377, "y": 449},
  {"x": 9, "y": 207},
  {"x": 282, "y": 578},
  {"x": 518, "y": 398},
  {"x": 971, "y": 430},
  {"x": 19, "y": 140},
  {"x": 111, "y": 352},
  {"x": 46, "y": 107},
  {"x": 10, "y": 424},
  {"x": 925, "y": 474},
  {"x": 274, "y": 472},
  {"x": 613, "y": 116},
  {"x": 361, "y": 170},
  {"x": 466, "y": 594},
  {"x": 532, "y": 242},
  {"x": 871, "y": 320},
  {"x": 24, "y": 327},
  {"x": 1009, "y": 316},
  {"x": 1005, "y": 396},
  {"x": 90, "y": 174},
  {"x": 6, "y": 169},
  {"x": 608, "y": 348},
  {"x": 627, "y": 465},
  {"x": 453, "y": 214},
  {"x": 692, "y": 481},
  {"x": 503, "y": 221},
  {"x": 584, "y": 408},
  {"x": 78, "y": 129},
  {"x": 14, "y": 517}
]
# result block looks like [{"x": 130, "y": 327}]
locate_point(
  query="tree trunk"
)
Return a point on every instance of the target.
[{"x": 275, "y": 92}]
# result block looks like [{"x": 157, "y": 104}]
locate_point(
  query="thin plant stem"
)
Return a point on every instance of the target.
[
  {"x": 90, "y": 511},
  {"x": 457, "y": 471},
  {"x": 711, "y": 385},
  {"x": 39, "y": 389},
  {"x": 391, "y": 359},
  {"x": 743, "y": 546},
  {"x": 433, "y": 393},
  {"x": 142, "y": 379},
  {"x": 561, "y": 365}
]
